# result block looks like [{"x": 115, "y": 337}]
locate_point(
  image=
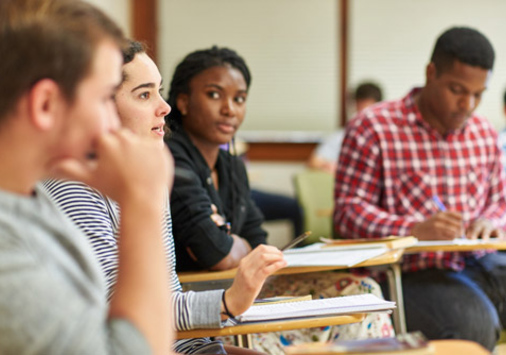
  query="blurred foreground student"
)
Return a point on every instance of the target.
[
  {"x": 399, "y": 157},
  {"x": 142, "y": 109},
  {"x": 215, "y": 222},
  {"x": 326, "y": 154},
  {"x": 59, "y": 70}
]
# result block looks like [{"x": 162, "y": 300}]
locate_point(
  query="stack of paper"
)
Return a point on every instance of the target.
[
  {"x": 316, "y": 308},
  {"x": 316, "y": 255}
]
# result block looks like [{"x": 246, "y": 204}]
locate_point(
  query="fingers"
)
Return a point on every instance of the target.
[{"x": 484, "y": 229}]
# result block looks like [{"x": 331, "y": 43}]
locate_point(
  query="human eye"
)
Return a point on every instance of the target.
[
  {"x": 457, "y": 89},
  {"x": 213, "y": 94},
  {"x": 144, "y": 96},
  {"x": 240, "y": 99}
]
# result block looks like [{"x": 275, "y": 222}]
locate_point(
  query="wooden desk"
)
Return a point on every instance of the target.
[
  {"x": 498, "y": 245},
  {"x": 389, "y": 259},
  {"x": 454, "y": 346},
  {"x": 274, "y": 326},
  {"x": 441, "y": 347}
]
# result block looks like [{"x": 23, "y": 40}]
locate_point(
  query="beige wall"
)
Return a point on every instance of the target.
[{"x": 119, "y": 10}]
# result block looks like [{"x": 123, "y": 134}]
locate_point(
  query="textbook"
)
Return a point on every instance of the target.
[
  {"x": 410, "y": 344},
  {"x": 391, "y": 242},
  {"x": 333, "y": 306},
  {"x": 281, "y": 299}
]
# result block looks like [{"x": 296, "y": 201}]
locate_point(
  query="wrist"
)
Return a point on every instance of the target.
[{"x": 225, "y": 308}]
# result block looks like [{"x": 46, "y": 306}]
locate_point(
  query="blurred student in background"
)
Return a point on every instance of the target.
[{"x": 326, "y": 154}]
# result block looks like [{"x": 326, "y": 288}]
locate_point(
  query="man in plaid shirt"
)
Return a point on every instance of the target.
[{"x": 398, "y": 155}]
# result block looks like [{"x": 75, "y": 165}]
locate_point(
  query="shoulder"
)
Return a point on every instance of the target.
[{"x": 383, "y": 118}]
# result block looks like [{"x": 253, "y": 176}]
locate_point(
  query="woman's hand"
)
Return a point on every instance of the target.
[{"x": 253, "y": 270}]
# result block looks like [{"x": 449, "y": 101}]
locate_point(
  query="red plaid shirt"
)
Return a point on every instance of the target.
[{"x": 392, "y": 163}]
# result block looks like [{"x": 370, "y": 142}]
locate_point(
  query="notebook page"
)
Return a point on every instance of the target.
[{"x": 332, "y": 257}]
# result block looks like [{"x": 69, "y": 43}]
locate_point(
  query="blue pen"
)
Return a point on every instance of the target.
[
  {"x": 442, "y": 208},
  {"x": 438, "y": 203}
]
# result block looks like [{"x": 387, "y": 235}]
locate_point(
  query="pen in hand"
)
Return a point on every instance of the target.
[
  {"x": 442, "y": 208},
  {"x": 296, "y": 241}
]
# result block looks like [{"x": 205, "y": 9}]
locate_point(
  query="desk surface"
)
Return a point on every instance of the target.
[
  {"x": 497, "y": 245},
  {"x": 389, "y": 257},
  {"x": 275, "y": 326}
]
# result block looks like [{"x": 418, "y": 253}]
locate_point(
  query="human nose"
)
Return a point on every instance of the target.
[
  {"x": 113, "y": 122},
  {"x": 163, "y": 107},
  {"x": 228, "y": 107},
  {"x": 468, "y": 103}
]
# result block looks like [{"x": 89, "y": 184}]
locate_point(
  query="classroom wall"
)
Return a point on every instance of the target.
[{"x": 119, "y": 10}]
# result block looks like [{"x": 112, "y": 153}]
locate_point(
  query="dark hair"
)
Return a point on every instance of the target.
[
  {"x": 195, "y": 63},
  {"x": 464, "y": 44},
  {"x": 504, "y": 98},
  {"x": 368, "y": 91},
  {"x": 53, "y": 39},
  {"x": 129, "y": 51}
]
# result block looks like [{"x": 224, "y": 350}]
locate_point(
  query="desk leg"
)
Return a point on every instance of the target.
[
  {"x": 243, "y": 341},
  {"x": 395, "y": 288}
]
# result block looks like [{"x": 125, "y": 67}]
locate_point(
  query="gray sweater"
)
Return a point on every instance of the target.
[{"x": 52, "y": 292}]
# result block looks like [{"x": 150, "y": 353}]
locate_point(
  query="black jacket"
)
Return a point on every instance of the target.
[{"x": 191, "y": 206}]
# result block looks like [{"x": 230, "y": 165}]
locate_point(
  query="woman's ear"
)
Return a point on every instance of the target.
[
  {"x": 182, "y": 102},
  {"x": 45, "y": 101}
]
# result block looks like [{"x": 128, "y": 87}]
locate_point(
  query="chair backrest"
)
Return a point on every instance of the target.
[{"x": 315, "y": 190}]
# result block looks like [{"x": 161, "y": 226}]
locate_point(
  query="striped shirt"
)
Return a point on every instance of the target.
[
  {"x": 391, "y": 164},
  {"x": 98, "y": 217}
]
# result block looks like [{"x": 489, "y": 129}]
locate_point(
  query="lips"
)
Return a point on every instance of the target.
[
  {"x": 226, "y": 128},
  {"x": 158, "y": 129}
]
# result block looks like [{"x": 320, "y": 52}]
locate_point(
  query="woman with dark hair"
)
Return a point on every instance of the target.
[
  {"x": 215, "y": 221},
  {"x": 208, "y": 97}
]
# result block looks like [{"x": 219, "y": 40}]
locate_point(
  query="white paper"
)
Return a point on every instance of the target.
[
  {"x": 321, "y": 307},
  {"x": 332, "y": 257}
]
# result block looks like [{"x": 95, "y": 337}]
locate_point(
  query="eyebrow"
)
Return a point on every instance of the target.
[
  {"x": 220, "y": 88},
  {"x": 146, "y": 85}
]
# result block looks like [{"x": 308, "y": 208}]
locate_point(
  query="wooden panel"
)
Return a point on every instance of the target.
[
  {"x": 145, "y": 24},
  {"x": 279, "y": 151},
  {"x": 343, "y": 57}
]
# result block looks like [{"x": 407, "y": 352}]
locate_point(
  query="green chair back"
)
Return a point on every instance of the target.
[{"x": 314, "y": 191}]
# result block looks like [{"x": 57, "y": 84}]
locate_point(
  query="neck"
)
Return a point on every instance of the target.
[
  {"x": 208, "y": 150},
  {"x": 421, "y": 101},
  {"x": 21, "y": 163}
]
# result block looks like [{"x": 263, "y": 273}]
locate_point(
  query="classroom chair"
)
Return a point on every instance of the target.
[{"x": 314, "y": 191}]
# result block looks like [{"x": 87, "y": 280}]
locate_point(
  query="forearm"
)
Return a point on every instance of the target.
[
  {"x": 197, "y": 309},
  {"x": 142, "y": 290},
  {"x": 240, "y": 248}
]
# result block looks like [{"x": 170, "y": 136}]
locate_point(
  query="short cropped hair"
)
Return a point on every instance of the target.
[
  {"x": 48, "y": 39},
  {"x": 464, "y": 44},
  {"x": 366, "y": 91},
  {"x": 195, "y": 63}
]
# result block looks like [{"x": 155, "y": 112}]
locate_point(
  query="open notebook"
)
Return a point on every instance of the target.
[
  {"x": 321, "y": 307},
  {"x": 315, "y": 255}
]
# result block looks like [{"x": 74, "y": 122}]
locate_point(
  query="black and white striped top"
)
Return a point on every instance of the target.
[{"x": 98, "y": 217}]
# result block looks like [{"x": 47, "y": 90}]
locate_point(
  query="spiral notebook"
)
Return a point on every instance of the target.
[{"x": 320, "y": 307}]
